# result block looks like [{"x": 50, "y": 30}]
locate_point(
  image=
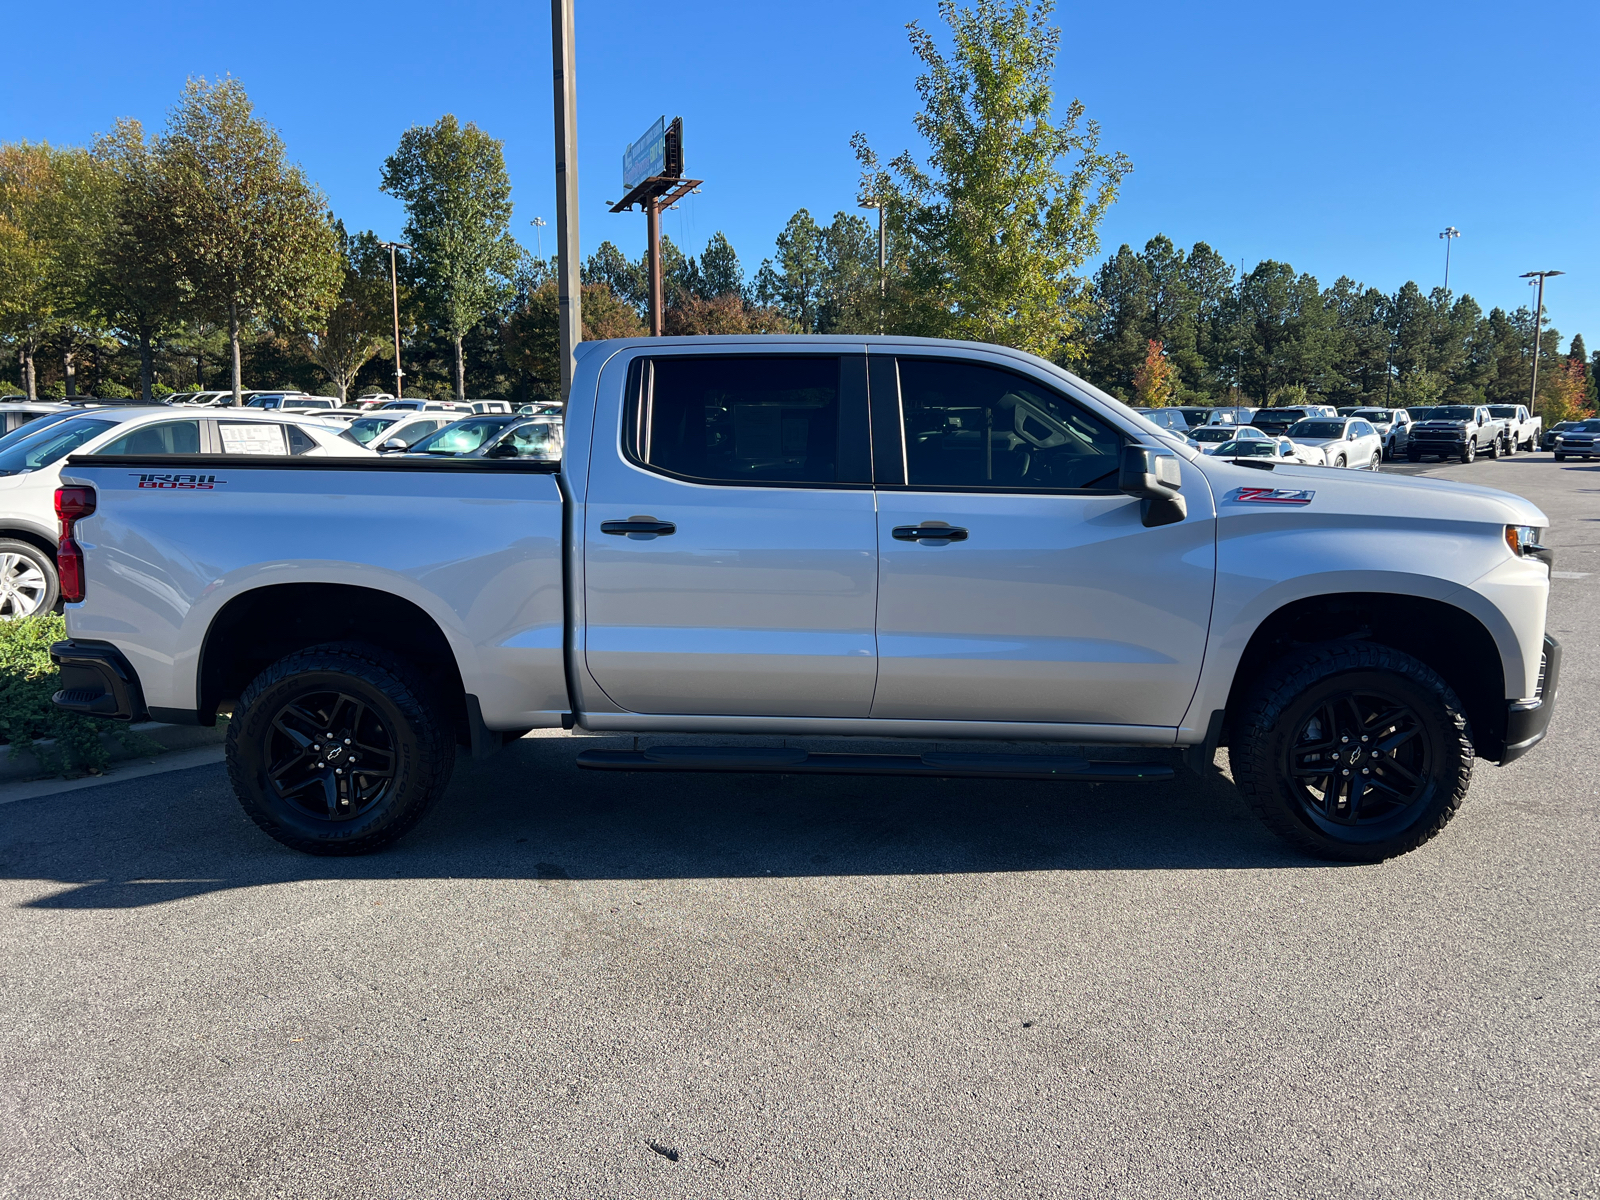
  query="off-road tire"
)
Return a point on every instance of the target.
[
  {"x": 1291, "y": 690},
  {"x": 44, "y": 599},
  {"x": 1410, "y": 457},
  {"x": 1469, "y": 452},
  {"x": 423, "y": 746}
]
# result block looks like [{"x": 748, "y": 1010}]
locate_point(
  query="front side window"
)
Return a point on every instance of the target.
[
  {"x": 971, "y": 425},
  {"x": 168, "y": 437},
  {"x": 750, "y": 419},
  {"x": 461, "y": 437}
]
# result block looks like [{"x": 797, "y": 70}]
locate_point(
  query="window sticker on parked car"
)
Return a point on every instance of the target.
[
  {"x": 252, "y": 438},
  {"x": 1256, "y": 495}
]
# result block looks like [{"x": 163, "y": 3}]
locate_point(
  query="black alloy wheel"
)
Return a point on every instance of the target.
[
  {"x": 339, "y": 749},
  {"x": 1350, "y": 750},
  {"x": 1358, "y": 759},
  {"x": 331, "y": 755}
]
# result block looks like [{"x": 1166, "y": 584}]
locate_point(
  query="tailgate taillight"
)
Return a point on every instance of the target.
[{"x": 72, "y": 504}]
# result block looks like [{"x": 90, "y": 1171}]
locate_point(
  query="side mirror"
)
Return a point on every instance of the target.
[
  {"x": 393, "y": 446},
  {"x": 1155, "y": 477}
]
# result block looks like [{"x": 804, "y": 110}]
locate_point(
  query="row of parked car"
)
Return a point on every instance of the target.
[
  {"x": 36, "y": 439},
  {"x": 1364, "y": 437}
]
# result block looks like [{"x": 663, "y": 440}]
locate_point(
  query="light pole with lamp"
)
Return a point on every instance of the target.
[
  {"x": 538, "y": 224},
  {"x": 1450, "y": 234},
  {"x": 883, "y": 259},
  {"x": 394, "y": 293},
  {"x": 1538, "y": 327}
]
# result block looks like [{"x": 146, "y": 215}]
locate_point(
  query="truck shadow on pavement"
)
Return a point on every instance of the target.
[{"x": 529, "y": 813}]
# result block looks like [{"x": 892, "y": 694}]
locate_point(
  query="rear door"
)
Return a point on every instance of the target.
[
  {"x": 730, "y": 559},
  {"x": 1016, "y": 583}
]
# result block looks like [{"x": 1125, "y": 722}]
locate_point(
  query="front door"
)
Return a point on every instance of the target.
[
  {"x": 1016, "y": 583},
  {"x": 729, "y": 544}
]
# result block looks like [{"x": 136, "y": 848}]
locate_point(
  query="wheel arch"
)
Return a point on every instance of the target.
[
  {"x": 1450, "y": 639},
  {"x": 261, "y": 625},
  {"x": 26, "y": 533}
]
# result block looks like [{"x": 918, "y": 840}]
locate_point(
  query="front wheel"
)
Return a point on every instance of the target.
[
  {"x": 1560, "y": 457},
  {"x": 339, "y": 749},
  {"x": 1352, "y": 751},
  {"x": 1511, "y": 446},
  {"x": 1469, "y": 452},
  {"x": 1338, "y": 462},
  {"x": 28, "y": 581},
  {"x": 1377, "y": 460}
]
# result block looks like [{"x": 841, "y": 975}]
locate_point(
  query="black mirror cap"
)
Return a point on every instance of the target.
[{"x": 1155, "y": 477}]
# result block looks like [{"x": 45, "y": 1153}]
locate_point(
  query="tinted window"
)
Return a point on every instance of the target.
[
  {"x": 170, "y": 437},
  {"x": 1453, "y": 412},
  {"x": 33, "y": 450},
  {"x": 1318, "y": 428},
  {"x": 968, "y": 425},
  {"x": 300, "y": 442},
  {"x": 1502, "y": 410},
  {"x": 1361, "y": 428},
  {"x": 744, "y": 419}
]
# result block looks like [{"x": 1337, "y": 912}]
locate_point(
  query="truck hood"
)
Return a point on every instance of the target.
[{"x": 1366, "y": 494}]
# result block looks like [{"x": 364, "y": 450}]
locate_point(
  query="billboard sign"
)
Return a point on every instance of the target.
[{"x": 646, "y": 157}]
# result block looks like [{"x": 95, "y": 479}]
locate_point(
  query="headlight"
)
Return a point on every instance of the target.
[{"x": 1524, "y": 542}]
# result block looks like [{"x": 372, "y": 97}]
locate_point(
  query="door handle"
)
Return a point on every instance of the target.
[
  {"x": 929, "y": 533},
  {"x": 636, "y": 525}
]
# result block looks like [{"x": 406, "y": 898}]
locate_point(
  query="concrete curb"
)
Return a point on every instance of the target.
[
  {"x": 170, "y": 737},
  {"x": 175, "y": 760}
]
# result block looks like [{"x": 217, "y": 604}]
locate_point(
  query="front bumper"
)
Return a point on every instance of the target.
[
  {"x": 97, "y": 681},
  {"x": 1528, "y": 720}
]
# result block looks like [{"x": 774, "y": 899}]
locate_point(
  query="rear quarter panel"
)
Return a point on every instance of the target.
[{"x": 479, "y": 552}]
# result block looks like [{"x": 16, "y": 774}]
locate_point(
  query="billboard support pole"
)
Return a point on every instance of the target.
[
  {"x": 652, "y": 208},
  {"x": 569, "y": 284}
]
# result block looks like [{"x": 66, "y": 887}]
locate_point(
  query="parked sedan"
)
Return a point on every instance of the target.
[
  {"x": 1578, "y": 442},
  {"x": 1208, "y": 437},
  {"x": 1280, "y": 450},
  {"x": 1548, "y": 440},
  {"x": 1347, "y": 441}
]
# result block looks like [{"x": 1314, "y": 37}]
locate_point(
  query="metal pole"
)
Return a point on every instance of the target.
[
  {"x": 1538, "y": 323},
  {"x": 394, "y": 292},
  {"x": 569, "y": 283},
  {"x": 1447, "y": 242},
  {"x": 652, "y": 208}
]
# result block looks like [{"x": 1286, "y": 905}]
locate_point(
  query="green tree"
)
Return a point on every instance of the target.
[
  {"x": 991, "y": 232},
  {"x": 360, "y": 322},
  {"x": 34, "y": 277},
  {"x": 720, "y": 272},
  {"x": 792, "y": 282},
  {"x": 627, "y": 280},
  {"x": 452, "y": 180},
  {"x": 135, "y": 281},
  {"x": 252, "y": 238},
  {"x": 532, "y": 337}
]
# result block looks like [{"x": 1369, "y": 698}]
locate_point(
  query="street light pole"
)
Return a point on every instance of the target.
[
  {"x": 883, "y": 260},
  {"x": 1450, "y": 234},
  {"x": 539, "y": 223},
  {"x": 394, "y": 293},
  {"x": 1538, "y": 328},
  {"x": 569, "y": 288}
]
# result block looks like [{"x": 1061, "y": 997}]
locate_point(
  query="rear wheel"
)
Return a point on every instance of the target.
[
  {"x": 28, "y": 582},
  {"x": 339, "y": 749},
  {"x": 1353, "y": 751}
]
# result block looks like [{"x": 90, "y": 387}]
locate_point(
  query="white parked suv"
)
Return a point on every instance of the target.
[
  {"x": 1347, "y": 441},
  {"x": 30, "y": 472}
]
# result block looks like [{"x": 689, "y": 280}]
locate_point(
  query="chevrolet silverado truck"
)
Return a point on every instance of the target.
[
  {"x": 1523, "y": 430},
  {"x": 1461, "y": 431},
  {"x": 936, "y": 543}
]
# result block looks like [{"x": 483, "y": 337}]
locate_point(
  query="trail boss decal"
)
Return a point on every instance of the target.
[
  {"x": 1271, "y": 495},
  {"x": 188, "y": 483}
]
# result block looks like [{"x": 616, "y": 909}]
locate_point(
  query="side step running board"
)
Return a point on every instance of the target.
[{"x": 1064, "y": 767}]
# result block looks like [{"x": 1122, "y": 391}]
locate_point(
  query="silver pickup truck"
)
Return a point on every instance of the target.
[{"x": 798, "y": 537}]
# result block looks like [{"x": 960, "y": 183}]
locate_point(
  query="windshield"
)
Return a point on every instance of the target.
[
  {"x": 1451, "y": 412},
  {"x": 1372, "y": 414},
  {"x": 1502, "y": 410},
  {"x": 364, "y": 429},
  {"x": 1250, "y": 449},
  {"x": 463, "y": 437},
  {"x": 1318, "y": 427},
  {"x": 1224, "y": 433},
  {"x": 36, "y": 426},
  {"x": 44, "y": 446},
  {"x": 1587, "y": 427}
]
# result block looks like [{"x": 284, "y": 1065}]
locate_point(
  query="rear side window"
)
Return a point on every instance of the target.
[
  {"x": 252, "y": 437},
  {"x": 748, "y": 419},
  {"x": 169, "y": 437}
]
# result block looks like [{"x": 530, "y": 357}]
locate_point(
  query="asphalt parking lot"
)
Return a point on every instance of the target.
[{"x": 569, "y": 985}]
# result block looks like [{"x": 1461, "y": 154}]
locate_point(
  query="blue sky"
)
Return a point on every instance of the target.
[{"x": 1340, "y": 138}]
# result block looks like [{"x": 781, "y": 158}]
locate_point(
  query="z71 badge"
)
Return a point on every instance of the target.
[
  {"x": 1271, "y": 495},
  {"x": 190, "y": 483}
]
